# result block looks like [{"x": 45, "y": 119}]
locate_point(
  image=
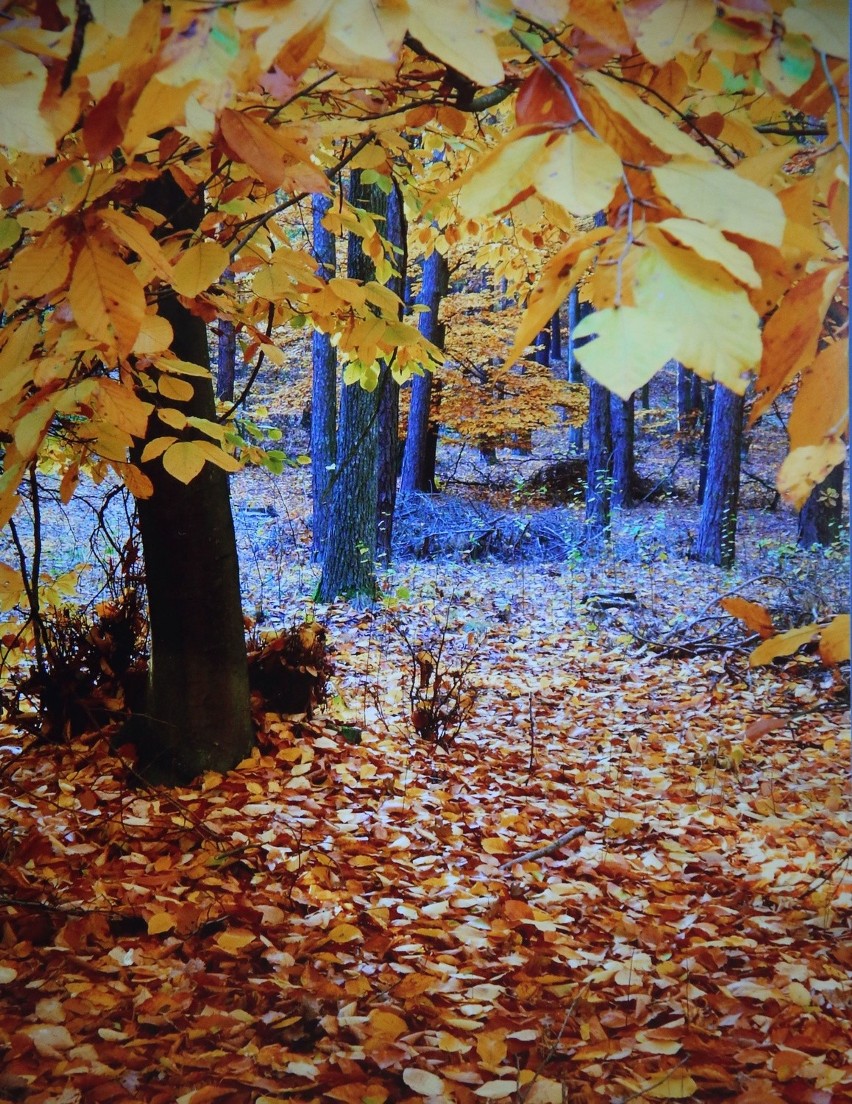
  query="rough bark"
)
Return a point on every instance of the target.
[
  {"x": 555, "y": 338},
  {"x": 623, "y": 457},
  {"x": 396, "y": 232},
  {"x": 821, "y": 519},
  {"x": 226, "y": 353},
  {"x": 348, "y": 568},
  {"x": 687, "y": 411},
  {"x": 704, "y": 459},
  {"x": 575, "y": 375},
  {"x": 323, "y": 390},
  {"x": 599, "y": 473},
  {"x": 418, "y": 461},
  {"x": 197, "y": 714},
  {"x": 716, "y": 541}
]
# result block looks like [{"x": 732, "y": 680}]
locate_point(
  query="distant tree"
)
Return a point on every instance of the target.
[
  {"x": 821, "y": 519},
  {"x": 599, "y": 472},
  {"x": 396, "y": 233},
  {"x": 418, "y": 461},
  {"x": 709, "y": 397},
  {"x": 323, "y": 388},
  {"x": 555, "y": 337},
  {"x": 575, "y": 375},
  {"x": 622, "y": 417},
  {"x": 226, "y": 352},
  {"x": 688, "y": 397},
  {"x": 716, "y": 541},
  {"x": 348, "y": 567}
]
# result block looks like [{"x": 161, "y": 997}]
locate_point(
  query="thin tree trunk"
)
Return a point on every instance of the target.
[
  {"x": 418, "y": 473},
  {"x": 821, "y": 519},
  {"x": 197, "y": 714},
  {"x": 349, "y": 568},
  {"x": 542, "y": 352},
  {"x": 555, "y": 337},
  {"x": 599, "y": 475},
  {"x": 575, "y": 374},
  {"x": 716, "y": 542},
  {"x": 323, "y": 390},
  {"x": 704, "y": 460},
  {"x": 226, "y": 353},
  {"x": 623, "y": 459},
  {"x": 687, "y": 411},
  {"x": 396, "y": 232}
]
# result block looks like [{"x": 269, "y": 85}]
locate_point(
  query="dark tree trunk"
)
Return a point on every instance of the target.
[
  {"x": 645, "y": 396},
  {"x": 323, "y": 390},
  {"x": 197, "y": 714},
  {"x": 821, "y": 519},
  {"x": 599, "y": 478},
  {"x": 349, "y": 568},
  {"x": 418, "y": 461},
  {"x": 716, "y": 543},
  {"x": 396, "y": 232},
  {"x": 226, "y": 353},
  {"x": 575, "y": 375},
  {"x": 687, "y": 411},
  {"x": 542, "y": 351},
  {"x": 623, "y": 461},
  {"x": 704, "y": 460},
  {"x": 555, "y": 338}
]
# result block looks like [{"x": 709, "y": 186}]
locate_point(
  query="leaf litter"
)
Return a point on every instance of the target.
[{"x": 354, "y": 913}]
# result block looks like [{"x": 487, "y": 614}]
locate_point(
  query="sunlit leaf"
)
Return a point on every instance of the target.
[
  {"x": 806, "y": 467},
  {"x": 578, "y": 172},
  {"x": 834, "y": 643},
  {"x": 198, "y": 267}
]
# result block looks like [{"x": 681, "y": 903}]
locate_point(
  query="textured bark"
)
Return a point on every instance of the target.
[
  {"x": 197, "y": 714},
  {"x": 323, "y": 390},
  {"x": 687, "y": 411},
  {"x": 555, "y": 337},
  {"x": 348, "y": 568},
  {"x": 716, "y": 542},
  {"x": 226, "y": 353},
  {"x": 542, "y": 351},
  {"x": 703, "y": 462},
  {"x": 623, "y": 459},
  {"x": 575, "y": 375},
  {"x": 821, "y": 519},
  {"x": 418, "y": 461},
  {"x": 396, "y": 232},
  {"x": 599, "y": 477}
]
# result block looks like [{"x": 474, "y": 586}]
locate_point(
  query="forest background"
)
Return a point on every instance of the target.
[{"x": 673, "y": 179}]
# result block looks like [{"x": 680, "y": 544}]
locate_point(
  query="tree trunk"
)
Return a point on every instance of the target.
[
  {"x": 599, "y": 476},
  {"x": 555, "y": 337},
  {"x": 226, "y": 353},
  {"x": 623, "y": 460},
  {"x": 687, "y": 411},
  {"x": 197, "y": 714},
  {"x": 821, "y": 519},
  {"x": 704, "y": 460},
  {"x": 575, "y": 374},
  {"x": 716, "y": 543},
  {"x": 418, "y": 461},
  {"x": 542, "y": 350},
  {"x": 396, "y": 232},
  {"x": 349, "y": 568},
  {"x": 323, "y": 390}
]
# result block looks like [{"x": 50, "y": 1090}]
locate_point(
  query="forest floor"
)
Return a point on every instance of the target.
[{"x": 628, "y": 876}]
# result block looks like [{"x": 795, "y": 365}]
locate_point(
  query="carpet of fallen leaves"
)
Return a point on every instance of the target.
[{"x": 356, "y": 921}]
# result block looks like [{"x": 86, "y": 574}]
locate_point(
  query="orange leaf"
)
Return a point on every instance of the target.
[
  {"x": 105, "y": 295},
  {"x": 834, "y": 641},
  {"x": 161, "y": 922},
  {"x": 782, "y": 645},
  {"x": 754, "y": 616}
]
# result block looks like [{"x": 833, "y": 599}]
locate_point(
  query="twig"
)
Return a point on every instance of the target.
[{"x": 579, "y": 830}]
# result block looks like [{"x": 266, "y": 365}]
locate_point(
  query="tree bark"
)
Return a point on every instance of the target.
[
  {"x": 705, "y": 441},
  {"x": 418, "y": 461},
  {"x": 555, "y": 337},
  {"x": 687, "y": 411},
  {"x": 197, "y": 714},
  {"x": 623, "y": 458},
  {"x": 349, "y": 568},
  {"x": 226, "y": 353},
  {"x": 821, "y": 518},
  {"x": 716, "y": 542},
  {"x": 575, "y": 375},
  {"x": 599, "y": 476},
  {"x": 396, "y": 232},
  {"x": 323, "y": 390}
]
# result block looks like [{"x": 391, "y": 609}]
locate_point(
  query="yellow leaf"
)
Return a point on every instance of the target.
[
  {"x": 155, "y": 335},
  {"x": 782, "y": 645},
  {"x": 422, "y": 1081},
  {"x": 362, "y": 36},
  {"x": 41, "y": 267},
  {"x": 804, "y": 468},
  {"x": 711, "y": 244},
  {"x": 678, "y": 1086},
  {"x": 159, "y": 106},
  {"x": 821, "y": 406},
  {"x": 671, "y": 28},
  {"x": 647, "y": 120},
  {"x": 156, "y": 447},
  {"x": 105, "y": 295},
  {"x": 172, "y": 417},
  {"x": 460, "y": 36},
  {"x": 798, "y": 993},
  {"x": 139, "y": 485},
  {"x": 134, "y": 235},
  {"x": 344, "y": 933},
  {"x": 493, "y": 845},
  {"x": 496, "y": 1090},
  {"x": 631, "y": 347},
  {"x": 178, "y": 389},
  {"x": 651, "y": 1042},
  {"x": 23, "y": 79},
  {"x": 32, "y": 426},
  {"x": 199, "y": 267},
  {"x": 161, "y": 922},
  {"x": 233, "y": 941},
  {"x": 184, "y": 460},
  {"x": 824, "y": 22},
  {"x": 787, "y": 63},
  {"x": 754, "y": 616},
  {"x": 713, "y": 328},
  {"x": 579, "y": 172},
  {"x": 496, "y": 180},
  {"x": 834, "y": 641},
  {"x": 544, "y": 1090},
  {"x": 722, "y": 199},
  {"x": 387, "y": 1024}
]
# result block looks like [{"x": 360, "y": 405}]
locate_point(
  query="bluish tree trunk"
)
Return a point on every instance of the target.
[
  {"x": 821, "y": 519},
  {"x": 623, "y": 460},
  {"x": 716, "y": 542},
  {"x": 599, "y": 475},
  {"x": 323, "y": 390}
]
